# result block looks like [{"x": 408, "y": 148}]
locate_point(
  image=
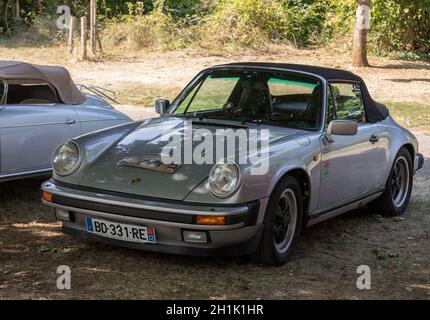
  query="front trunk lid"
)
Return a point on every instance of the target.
[{"x": 117, "y": 170}]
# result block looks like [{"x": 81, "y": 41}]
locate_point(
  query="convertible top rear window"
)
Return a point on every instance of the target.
[{"x": 30, "y": 93}]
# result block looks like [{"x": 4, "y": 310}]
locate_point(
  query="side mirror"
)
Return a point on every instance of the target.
[
  {"x": 161, "y": 106},
  {"x": 341, "y": 128}
]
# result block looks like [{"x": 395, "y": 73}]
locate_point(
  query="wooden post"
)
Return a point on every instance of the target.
[
  {"x": 17, "y": 8},
  {"x": 93, "y": 27},
  {"x": 84, "y": 38},
  {"x": 71, "y": 34},
  {"x": 99, "y": 42}
]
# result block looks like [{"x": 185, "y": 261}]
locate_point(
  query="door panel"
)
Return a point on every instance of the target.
[
  {"x": 347, "y": 166},
  {"x": 30, "y": 133}
]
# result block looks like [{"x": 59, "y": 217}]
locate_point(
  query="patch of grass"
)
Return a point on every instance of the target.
[
  {"x": 410, "y": 115},
  {"x": 144, "y": 95}
]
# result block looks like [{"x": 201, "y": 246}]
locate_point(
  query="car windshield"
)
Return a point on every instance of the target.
[{"x": 284, "y": 99}]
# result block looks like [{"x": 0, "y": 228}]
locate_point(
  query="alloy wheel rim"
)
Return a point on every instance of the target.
[
  {"x": 285, "y": 221},
  {"x": 400, "y": 182}
]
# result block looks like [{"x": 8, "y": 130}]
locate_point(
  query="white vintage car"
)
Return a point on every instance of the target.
[{"x": 40, "y": 108}]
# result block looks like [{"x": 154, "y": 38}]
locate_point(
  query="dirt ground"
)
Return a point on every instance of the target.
[
  {"x": 387, "y": 80},
  {"x": 324, "y": 266},
  {"x": 390, "y": 80}
]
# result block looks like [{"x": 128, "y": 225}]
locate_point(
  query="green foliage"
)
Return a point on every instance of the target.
[
  {"x": 157, "y": 29},
  {"x": 306, "y": 20},
  {"x": 402, "y": 25},
  {"x": 247, "y": 22},
  {"x": 397, "y": 25}
]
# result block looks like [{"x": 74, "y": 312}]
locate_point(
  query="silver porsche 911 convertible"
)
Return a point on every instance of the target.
[
  {"x": 40, "y": 108},
  {"x": 240, "y": 162}
]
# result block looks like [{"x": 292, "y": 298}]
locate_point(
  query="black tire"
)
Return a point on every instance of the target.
[
  {"x": 386, "y": 204},
  {"x": 268, "y": 252}
]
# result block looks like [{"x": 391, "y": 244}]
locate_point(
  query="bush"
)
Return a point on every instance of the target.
[
  {"x": 156, "y": 29},
  {"x": 246, "y": 22},
  {"x": 396, "y": 25},
  {"x": 401, "y": 25}
]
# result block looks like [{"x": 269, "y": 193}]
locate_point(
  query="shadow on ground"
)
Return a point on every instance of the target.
[{"x": 324, "y": 265}]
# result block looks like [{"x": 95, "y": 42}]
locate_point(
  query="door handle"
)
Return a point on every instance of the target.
[
  {"x": 374, "y": 138},
  {"x": 70, "y": 122}
]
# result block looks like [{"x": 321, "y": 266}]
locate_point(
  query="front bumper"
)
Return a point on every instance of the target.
[
  {"x": 419, "y": 162},
  {"x": 240, "y": 235}
]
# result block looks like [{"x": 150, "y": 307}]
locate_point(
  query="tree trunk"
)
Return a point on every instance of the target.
[
  {"x": 93, "y": 27},
  {"x": 17, "y": 10},
  {"x": 6, "y": 22},
  {"x": 362, "y": 24}
]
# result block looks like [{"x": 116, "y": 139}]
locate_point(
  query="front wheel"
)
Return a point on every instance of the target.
[
  {"x": 397, "y": 194},
  {"x": 282, "y": 223}
]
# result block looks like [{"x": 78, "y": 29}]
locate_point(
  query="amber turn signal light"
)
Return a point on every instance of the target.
[
  {"x": 47, "y": 196},
  {"x": 211, "y": 220}
]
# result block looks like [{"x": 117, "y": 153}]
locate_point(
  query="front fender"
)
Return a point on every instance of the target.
[{"x": 283, "y": 158}]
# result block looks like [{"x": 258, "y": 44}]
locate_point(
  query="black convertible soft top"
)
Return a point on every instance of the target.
[{"x": 375, "y": 111}]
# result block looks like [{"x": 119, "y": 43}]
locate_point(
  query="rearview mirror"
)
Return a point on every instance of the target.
[
  {"x": 341, "y": 128},
  {"x": 161, "y": 106}
]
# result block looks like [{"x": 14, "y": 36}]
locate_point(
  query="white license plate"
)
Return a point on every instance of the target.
[{"x": 121, "y": 231}]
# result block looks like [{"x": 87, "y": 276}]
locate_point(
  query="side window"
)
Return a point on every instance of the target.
[
  {"x": 348, "y": 101},
  {"x": 3, "y": 92}
]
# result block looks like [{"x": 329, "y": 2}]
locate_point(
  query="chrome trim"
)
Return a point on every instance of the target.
[
  {"x": 78, "y": 163},
  {"x": 238, "y": 183},
  {"x": 344, "y": 203},
  {"x": 116, "y": 217},
  {"x": 142, "y": 204},
  {"x": 26, "y": 173},
  {"x": 336, "y": 212}
]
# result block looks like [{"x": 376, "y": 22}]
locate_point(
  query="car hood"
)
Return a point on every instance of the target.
[{"x": 106, "y": 173}]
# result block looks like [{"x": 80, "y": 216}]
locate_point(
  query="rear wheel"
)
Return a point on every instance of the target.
[
  {"x": 398, "y": 189},
  {"x": 282, "y": 223}
]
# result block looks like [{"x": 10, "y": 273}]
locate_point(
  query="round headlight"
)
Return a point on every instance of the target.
[
  {"x": 224, "y": 179},
  {"x": 66, "y": 158}
]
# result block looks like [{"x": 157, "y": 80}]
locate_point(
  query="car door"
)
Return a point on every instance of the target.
[
  {"x": 347, "y": 161},
  {"x": 29, "y": 134}
]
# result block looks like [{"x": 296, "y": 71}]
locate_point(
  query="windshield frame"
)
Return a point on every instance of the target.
[
  {"x": 3, "y": 96},
  {"x": 204, "y": 73}
]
